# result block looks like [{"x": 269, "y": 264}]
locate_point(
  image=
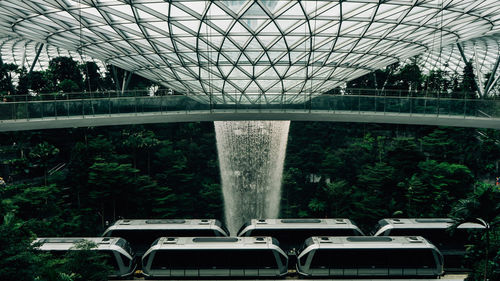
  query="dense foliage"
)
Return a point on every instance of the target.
[{"x": 75, "y": 182}]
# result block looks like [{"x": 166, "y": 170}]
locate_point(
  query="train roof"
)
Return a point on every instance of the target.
[
  {"x": 367, "y": 242},
  {"x": 438, "y": 223},
  {"x": 164, "y": 224},
  {"x": 68, "y": 243},
  {"x": 301, "y": 223},
  {"x": 179, "y": 243}
]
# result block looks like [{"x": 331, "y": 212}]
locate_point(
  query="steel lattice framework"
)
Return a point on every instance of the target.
[
  {"x": 23, "y": 52},
  {"x": 482, "y": 52},
  {"x": 243, "y": 50}
]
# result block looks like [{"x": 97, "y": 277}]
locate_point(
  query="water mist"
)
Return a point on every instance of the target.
[{"x": 251, "y": 158}]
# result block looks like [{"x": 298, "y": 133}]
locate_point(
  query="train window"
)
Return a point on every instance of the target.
[
  {"x": 161, "y": 260},
  {"x": 303, "y": 260},
  {"x": 421, "y": 258},
  {"x": 411, "y": 259},
  {"x": 350, "y": 259},
  {"x": 125, "y": 245},
  {"x": 183, "y": 259},
  {"x": 111, "y": 259},
  {"x": 174, "y": 260},
  {"x": 330, "y": 259},
  {"x": 254, "y": 259},
  {"x": 208, "y": 259},
  {"x": 126, "y": 261},
  {"x": 211, "y": 259},
  {"x": 283, "y": 259},
  {"x": 376, "y": 258},
  {"x": 267, "y": 259}
]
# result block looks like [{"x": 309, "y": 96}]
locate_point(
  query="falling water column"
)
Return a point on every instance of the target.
[{"x": 251, "y": 158}]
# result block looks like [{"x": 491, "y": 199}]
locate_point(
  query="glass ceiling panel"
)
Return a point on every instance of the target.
[{"x": 173, "y": 41}]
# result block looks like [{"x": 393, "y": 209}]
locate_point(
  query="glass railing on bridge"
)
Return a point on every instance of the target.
[{"x": 360, "y": 101}]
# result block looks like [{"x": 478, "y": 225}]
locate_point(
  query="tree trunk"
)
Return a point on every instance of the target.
[
  {"x": 149, "y": 163},
  {"x": 114, "y": 209},
  {"x": 486, "y": 254}
]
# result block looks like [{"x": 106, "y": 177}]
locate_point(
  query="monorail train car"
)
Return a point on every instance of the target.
[
  {"x": 451, "y": 244},
  {"x": 118, "y": 252},
  {"x": 291, "y": 233},
  {"x": 369, "y": 257},
  {"x": 194, "y": 257},
  {"x": 141, "y": 233}
]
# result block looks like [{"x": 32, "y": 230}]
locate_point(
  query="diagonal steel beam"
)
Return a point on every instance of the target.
[
  {"x": 477, "y": 72},
  {"x": 36, "y": 57},
  {"x": 492, "y": 80}
]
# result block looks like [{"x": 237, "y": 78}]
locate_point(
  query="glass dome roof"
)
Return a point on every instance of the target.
[
  {"x": 482, "y": 52},
  {"x": 238, "y": 50},
  {"x": 22, "y": 52}
]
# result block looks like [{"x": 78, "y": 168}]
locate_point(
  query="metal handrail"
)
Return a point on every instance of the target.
[
  {"x": 138, "y": 103},
  {"x": 165, "y": 92}
]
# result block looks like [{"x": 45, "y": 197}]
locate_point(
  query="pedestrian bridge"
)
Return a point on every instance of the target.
[{"x": 106, "y": 109}]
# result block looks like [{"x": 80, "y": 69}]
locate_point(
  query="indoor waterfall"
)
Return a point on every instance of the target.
[{"x": 251, "y": 158}]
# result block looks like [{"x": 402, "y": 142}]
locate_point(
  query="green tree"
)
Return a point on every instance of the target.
[
  {"x": 403, "y": 153},
  {"x": 41, "y": 208},
  {"x": 140, "y": 141},
  {"x": 334, "y": 200},
  {"x": 65, "y": 69},
  {"x": 6, "y": 70},
  {"x": 92, "y": 81},
  {"x": 86, "y": 264},
  {"x": 112, "y": 182},
  {"x": 23, "y": 82},
  {"x": 483, "y": 207},
  {"x": 442, "y": 182},
  {"x": 17, "y": 262},
  {"x": 42, "y": 154},
  {"x": 38, "y": 81},
  {"x": 436, "y": 81},
  {"x": 68, "y": 86},
  {"x": 409, "y": 78},
  {"x": 377, "y": 183},
  {"x": 468, "y": 86}
]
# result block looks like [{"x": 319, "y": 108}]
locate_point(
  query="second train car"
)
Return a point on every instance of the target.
[
  {"x": 291, "y": 233},
  {"x": 141, "y": 233}
]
